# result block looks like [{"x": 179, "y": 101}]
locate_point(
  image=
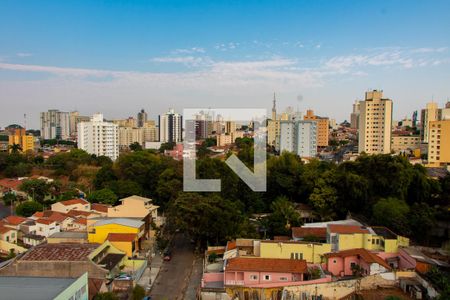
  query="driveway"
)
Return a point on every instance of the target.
[{"x": 173, "y": 276}]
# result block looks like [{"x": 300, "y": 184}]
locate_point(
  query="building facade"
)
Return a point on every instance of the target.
[
  {"x": 170, "y": 127},
  {"x": 55, "y": 124},
  {"x": 375, "y": 124},
  {"x": 99, "y": 137},
  {"x": 401, "y": 143},
  {"x": 141, "y": 118},
  {"x": 299, "y": 137},
  {"x": 323, "y": 127},
  {"x": 429, "y": 114},
  {"x": 439, "y": 143},
  {"x": 21, "y": 138},
  {"x": 354, "y": 116}
]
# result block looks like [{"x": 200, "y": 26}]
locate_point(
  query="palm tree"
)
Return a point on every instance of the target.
[{"x": 15, "y": 148}]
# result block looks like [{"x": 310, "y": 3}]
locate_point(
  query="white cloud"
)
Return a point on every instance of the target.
[
  {"x": 189, "y": 50},
  {"x": 185, "y": 60},
  {"x": 24, "y": 54}
]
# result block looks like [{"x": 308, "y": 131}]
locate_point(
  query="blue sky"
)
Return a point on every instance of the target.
[{"x": 119, "y": 56}]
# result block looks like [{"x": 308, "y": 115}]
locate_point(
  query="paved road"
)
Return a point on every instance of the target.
[
  {"x": 195, "y": 279},
  {"x": 173, "y": 276}
]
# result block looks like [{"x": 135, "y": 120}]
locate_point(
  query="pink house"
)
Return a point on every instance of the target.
[
  {"x": 342, "y": 263},
  {"x": 255, "y": 271}
]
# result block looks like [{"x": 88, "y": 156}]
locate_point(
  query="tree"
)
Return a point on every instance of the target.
[
  {"x": 421, "y": 219},
  {"x": 105, "y": 196},
  {"x": 15, "y": 148},
  {"x": 324, "y": 197},
  {"x": 106, "y": 296},
  {"x": 283, "y": 217},
  {"x": 138, "y": 292},
  {"x": 125, "y": 188},
  {"x": 36, "y": 188},
  {"x": 28, "y": 208},
  {"x": 135, "y": 146},
  {"x": 9, "y": 198},
  {"x": 166, "y": 146},
  {"x": 392, "y": 213}
]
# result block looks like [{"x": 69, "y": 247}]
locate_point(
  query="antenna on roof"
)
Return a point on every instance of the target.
[{"x": 25, "y": 121}]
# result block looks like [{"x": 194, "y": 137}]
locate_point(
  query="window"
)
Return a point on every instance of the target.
[
  {"x": 334, "y": 261},
  {"x": 352, "y": 265},
  {"x": 266, "y": 277},
  {"x": 283, "y": 279},
  {"x": 253, "y": 277}
]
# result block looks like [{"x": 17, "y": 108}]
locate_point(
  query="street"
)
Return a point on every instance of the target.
[{"x": 173, "y": 277}]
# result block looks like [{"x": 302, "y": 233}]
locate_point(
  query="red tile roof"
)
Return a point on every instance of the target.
[
  {"x": 14, "y": 220},
  {"x": 266, "y": 265},
  {"x": 38, "y": 214},
  {"x": 347, "y": 229},
  {"x": 121, "y": 237},
  {"x": 231, "y": 245},
  {"x": 10, "y": 183},
  {"x": 59, "y": 252},
  {"x": 99, "y": 207},
  {"x": 366, "y": 255},
  {"x": 4, "y": 229},
  {"x": 81, "y": 221},
  {"x": 78, "y": 213},
  {"x": 301, "y": 232},
  {"x": 45, "y": 221},
  {"x": 73, "y": 202}
]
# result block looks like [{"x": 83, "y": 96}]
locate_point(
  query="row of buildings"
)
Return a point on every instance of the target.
[
  {"x": 109, "y": 245},
  {"x": 312, "y": 263}
]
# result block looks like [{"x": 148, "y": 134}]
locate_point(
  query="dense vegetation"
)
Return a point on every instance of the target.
[{"x": 381, "y": 190}]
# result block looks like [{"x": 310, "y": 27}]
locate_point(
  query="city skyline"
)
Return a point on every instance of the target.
[{"x": 117, "y": 58}]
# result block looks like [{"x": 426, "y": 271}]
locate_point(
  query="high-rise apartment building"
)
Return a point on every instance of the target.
[
  {"x": 151, "y": 132},
  {"x": 74, "y": 119},
  {"x": 429, "y": 114},
  {"x": 273, "y": 125},
  {"x": 20, "y": 137},
  {"x": 299, "y": 137},
  {"x": 354, "y": 116},
  {"x": 99, "y": 137},
  {"x": 439, "y": 143},
  {"x": 130, "y": 135},
  {"x": 323, "y": 127},
  {"x": 55, "y": 124},
  {"x": 375, "y": 123},
  {"x": 141, "y": 118},
  {"x": 170, "y": 127}
]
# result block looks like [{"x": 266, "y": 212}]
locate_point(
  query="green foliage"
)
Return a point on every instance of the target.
[
  {"x": 36, "y": 188},
  {"x": 11, "y": 254},
  {"x": 166, "y": 146},
  {"x": 28, "y": 208},
  {"x": 441, "y": 280},
  {"x": 9, "y": 198},
  {"x": 283, "y": 217},
  {"x": 106, "y": 296},
  {"x": 105, "y": 196},
  {"x": 392, "y": 213},
  {"x": 138, "y": 292},
  {"x": 135, "y": 146},
  {"x": 15, "y": 148},
  {"x": 125, "y": 188},
  {"x": 212, "y": 257}
]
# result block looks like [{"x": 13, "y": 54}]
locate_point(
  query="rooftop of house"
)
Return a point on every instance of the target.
[
  {"x": 111, "y": 260},
  {"x": 347, "y": 229},
  {"x": 37, "y": 288},
  {"x": 99, "y": 207},
  {"x": 266, "y": 265},
  {"x": 121, "y": 237},
  {"x": 73, "y": 202},
  {"x": 10, "y": 183},
  {"x": 59, "y": 252},
  {"x": 121, "y": 221},
  {"x": 14, "y": 220},
  {"x": 326, "y": 224},
  {"x": 69, "y": 235},
  {"x": 384, "y": 232},
  {"x": 366, "y": 255},
  {"x": 45, "y": 221},
  {"x": 78, "y": 213},
  {"x": 4, "y": 229},
  {"x": 301, "y": 232}
]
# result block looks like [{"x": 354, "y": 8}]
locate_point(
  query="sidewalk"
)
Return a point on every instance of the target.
[{"x": 148, "y": 277}]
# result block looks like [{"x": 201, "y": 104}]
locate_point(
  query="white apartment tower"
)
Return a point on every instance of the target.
[
  {"x": 55, "y": 124},
  {"x": 375, "y": 124},
  {"x": 170, "y": 127},
  {"x": 299, "y": 137},
  {"x": 99, "y": 137}
]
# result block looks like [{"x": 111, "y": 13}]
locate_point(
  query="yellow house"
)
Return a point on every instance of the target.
[
  {"x": 126, "y": 242},
  {"x": 345, "y": 237},
  {"x": 19, "y": 137},
  {"x": 99, "y": 231},
  {"x": 311, "y": 252}
]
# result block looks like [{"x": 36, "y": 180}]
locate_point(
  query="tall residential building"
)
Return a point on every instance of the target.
[
  {"x": 299, "y": 137},
  {"x": 273, "y": 125},
  {"x": 151, "y": 131},
  {"x": 323, "y": 127},
  {"x": 141, "y": 118},
  {"x": 170, "y": 127},
  {"x": 55, "y": 124},
  {"x": 130, "y": 135},
  {"x": 429, "y": 114},
  {"x": 74, "y": 119},
  {"x": 375, "y": 123},
  {"x": 439, "y": 143},
  {"x": 99, "y": 137},
  {"x": 354, "y": 117},
  {"x": 20, "y": 137},
  {"x": 445, "y": 112},
  {"x": 129, "y": 122}
]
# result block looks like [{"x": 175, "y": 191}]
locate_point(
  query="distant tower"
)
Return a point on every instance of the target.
[
  {"x": 274, "y": 108},
  {"x": 141, "y": 118}
]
